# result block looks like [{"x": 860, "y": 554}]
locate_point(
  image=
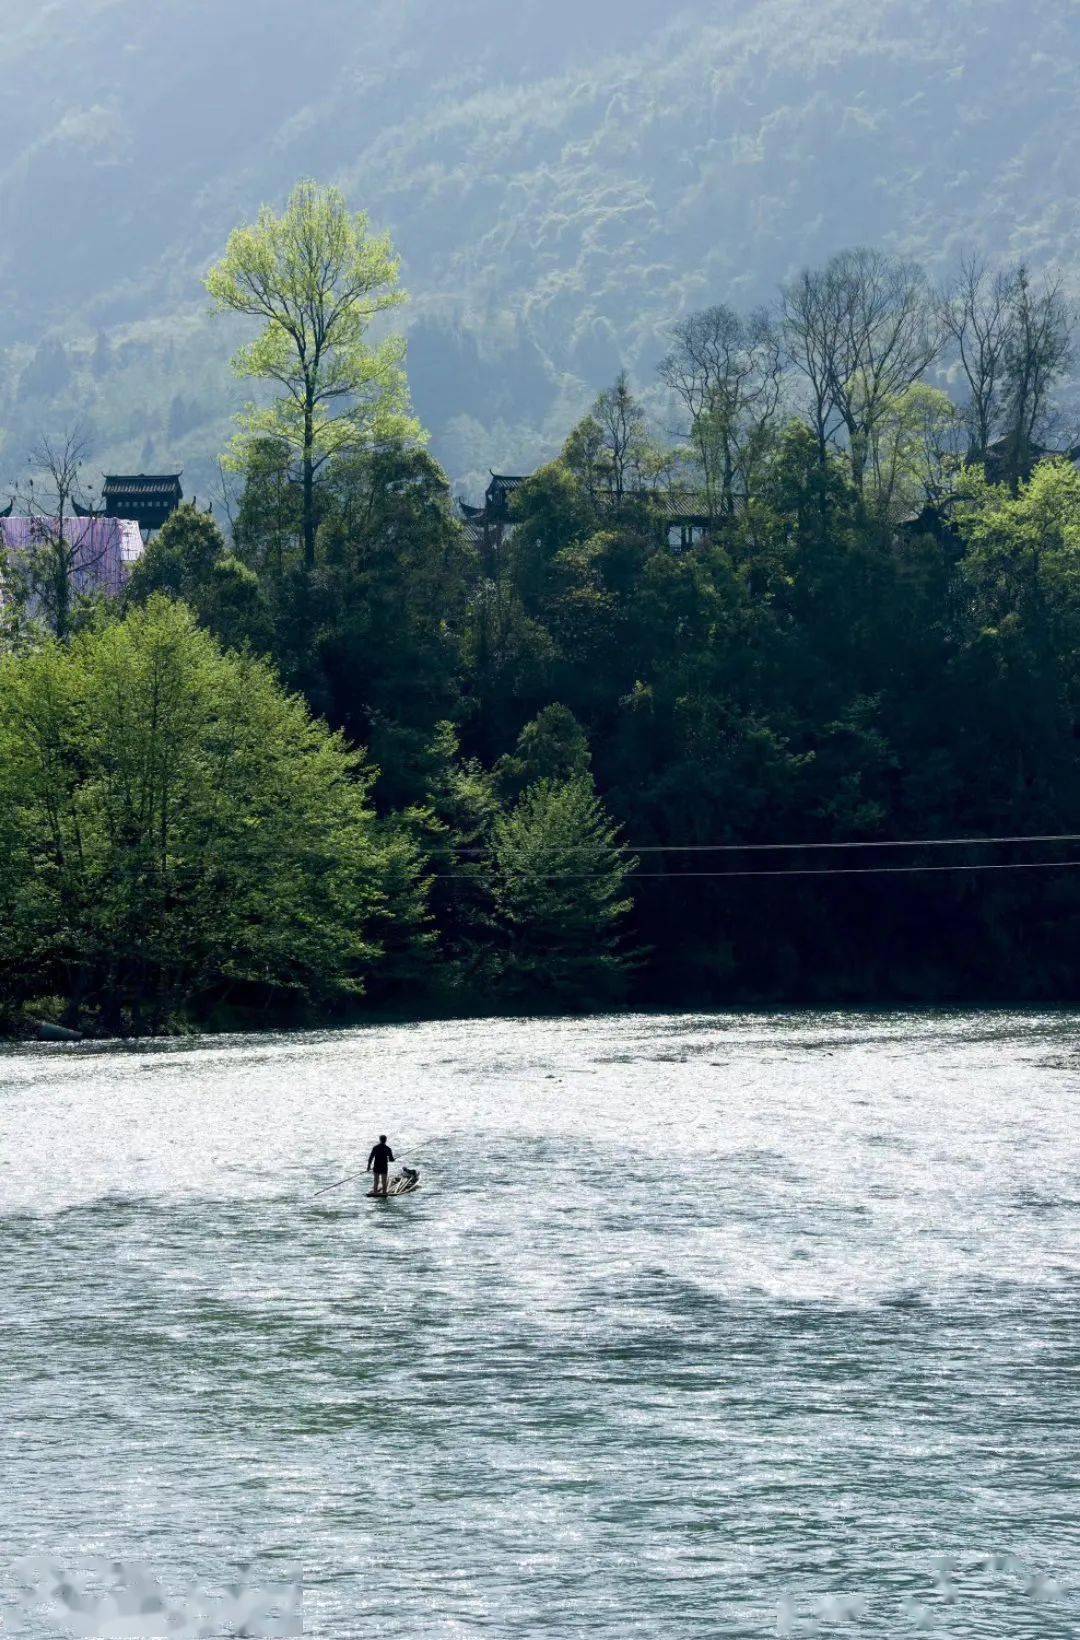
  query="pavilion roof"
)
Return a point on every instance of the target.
[
  {"x": 504, "y": 484},
  {"x": 146, "y": 485}
]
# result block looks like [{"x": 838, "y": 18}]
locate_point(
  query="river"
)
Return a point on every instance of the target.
[{"x": 727, "y": 1325}]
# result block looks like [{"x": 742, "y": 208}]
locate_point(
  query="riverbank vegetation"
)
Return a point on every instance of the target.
[{"x": 351, "y": 753}]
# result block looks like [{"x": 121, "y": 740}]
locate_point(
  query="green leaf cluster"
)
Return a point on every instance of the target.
[
  {"x": 316, "y": 278},
  {"x": 179, "y": 831},
  {"x": 560, "y": 886}
]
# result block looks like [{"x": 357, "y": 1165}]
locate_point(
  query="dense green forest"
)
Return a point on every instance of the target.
[
  {"x": 351, "y": 753},
  {"x": 562, "y": 180}
]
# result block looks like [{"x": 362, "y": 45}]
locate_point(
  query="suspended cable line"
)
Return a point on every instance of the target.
[
  {"x": 796, "y": 848},
  {"x": 806, "y": 871}
]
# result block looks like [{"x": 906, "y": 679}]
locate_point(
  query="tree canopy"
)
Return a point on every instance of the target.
[
  {"x": 316, "y": 278},
  {"x": 826, "y": 609},
  {"x": 180, "y": 830}
]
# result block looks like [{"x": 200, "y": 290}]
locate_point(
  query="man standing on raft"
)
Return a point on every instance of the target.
[{"x": 379, "y": 1163}]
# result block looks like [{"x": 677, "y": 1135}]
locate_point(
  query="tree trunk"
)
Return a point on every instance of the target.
[
  {"x": 62, "y": 594},
  {"x": 858, "y": 454},
  {"x": 64, "y": 570},
  {"x": 309, "y": 488}
]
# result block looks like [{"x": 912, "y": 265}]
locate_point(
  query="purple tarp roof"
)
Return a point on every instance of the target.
[{"x": 104, "y": 548}]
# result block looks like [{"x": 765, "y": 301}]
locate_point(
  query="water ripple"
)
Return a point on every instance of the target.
[{"x": 731, "y": 1325}]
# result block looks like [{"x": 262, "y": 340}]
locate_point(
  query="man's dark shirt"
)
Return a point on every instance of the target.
[{"x": 381, "y": 1156}]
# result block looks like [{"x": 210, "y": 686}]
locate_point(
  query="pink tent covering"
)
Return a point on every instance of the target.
[{"x": 104, "y": 549}]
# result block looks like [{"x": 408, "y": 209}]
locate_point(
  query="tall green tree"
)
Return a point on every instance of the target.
[
  {"x": 316, "y": 278},
  {"x": 180, "y": 559},
  {"x": 179, "y": 829},
  {"x": 552, "y": 747},
  {"x": 460, "y": 811},
  {"x": 1014, "y": 674},
  {"x": 391, "y": 599},
  {"x": 560, "y": 884},
  {"x": 267, "y": 527},
  {"x": 189, "y": 560}
]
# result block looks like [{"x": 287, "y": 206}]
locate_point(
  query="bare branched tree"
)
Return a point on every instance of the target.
[
  {"x": 624, "y": 435},
  {"x": 228, "y": 490},
  {"x": 58, "y": 546},
  {"x": 977, "y": 315},
  {"x": 861, "y": 331},
  {"x": 811, "y": 326},
  {"x": 888, "y": 336},
  {"x": 1038, "y": 350},
  {"x": 727, "y": 373}
]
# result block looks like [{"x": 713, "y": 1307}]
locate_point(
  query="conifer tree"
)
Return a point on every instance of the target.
[{"x": 560, "y": 886}]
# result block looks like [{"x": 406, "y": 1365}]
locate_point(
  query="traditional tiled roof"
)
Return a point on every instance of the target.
[
  {"x": 683, "y": 509},
  {"x": 671, "y": 505},
  {"x": 149, "y": 498},
  {"x": 500, "y": 490},
  {"x": 165, "y": 486},
  {"x": 1000, "y": 452}
]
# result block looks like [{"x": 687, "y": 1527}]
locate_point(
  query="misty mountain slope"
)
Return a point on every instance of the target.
[{"x": 562, "y": 181}]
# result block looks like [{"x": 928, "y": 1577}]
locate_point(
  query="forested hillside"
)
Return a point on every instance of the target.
[
  {"x": 785, "y": 710},
  {"x": 563, "y": 182}
]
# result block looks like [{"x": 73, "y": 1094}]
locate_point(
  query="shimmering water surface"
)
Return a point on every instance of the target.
[{"x": 699, "y": 1326}]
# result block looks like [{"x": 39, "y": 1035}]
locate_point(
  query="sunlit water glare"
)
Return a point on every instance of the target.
[{"x": 734, "y": 1326}]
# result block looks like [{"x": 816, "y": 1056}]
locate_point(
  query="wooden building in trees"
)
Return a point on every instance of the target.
[
  {"x": 147, "y": 498},
  {"x": 500, "y": 493},
  {"x": 488, "y": 524},
  {"x": 1004, "y": 463},
  {"x": 679, "y": 517}
]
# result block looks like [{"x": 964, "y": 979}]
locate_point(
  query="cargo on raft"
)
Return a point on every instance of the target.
[{"x": 402, "y": 1184}]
